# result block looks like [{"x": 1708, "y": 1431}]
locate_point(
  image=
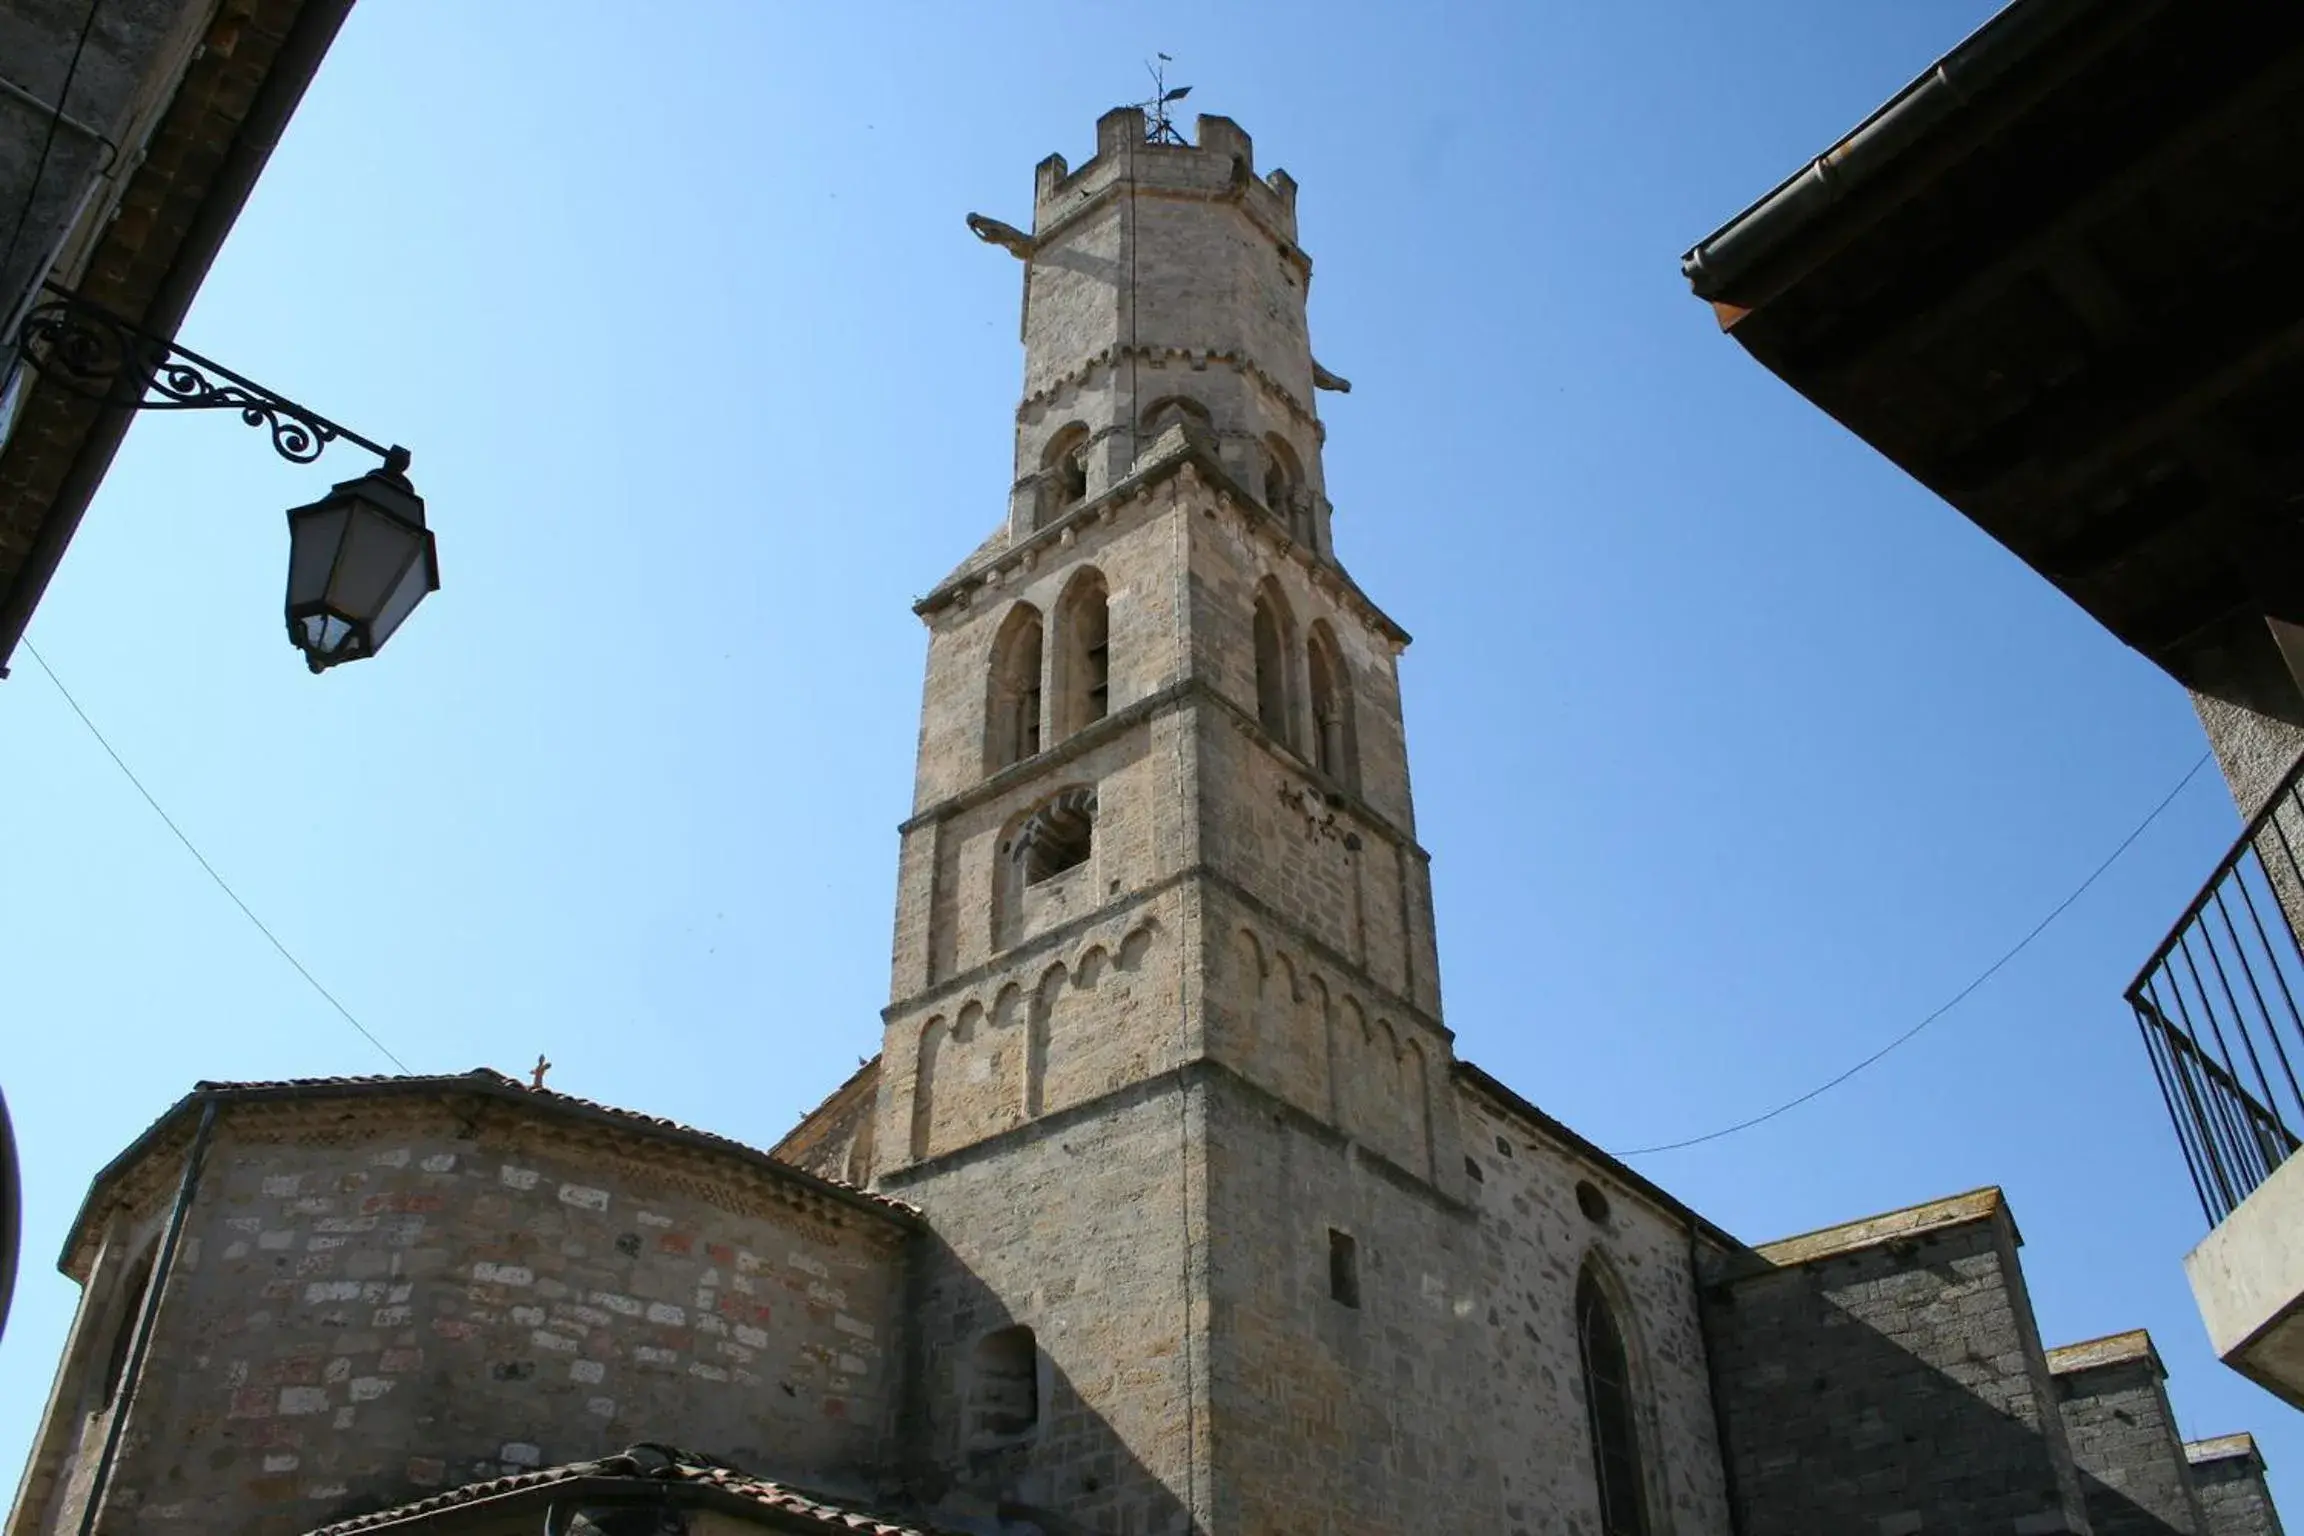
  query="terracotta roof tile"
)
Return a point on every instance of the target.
[{"x": 644, "y": 1465}]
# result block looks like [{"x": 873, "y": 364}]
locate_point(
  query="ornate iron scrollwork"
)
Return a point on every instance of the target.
[{"x": 91, "y": 352}]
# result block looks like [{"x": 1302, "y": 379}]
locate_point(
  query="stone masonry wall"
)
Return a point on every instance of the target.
[
  {"x": 2228, "y": 1476},
  {"x": 1353, "y": 1417},
  {"x": 1231, "y": 556},
  {"x": 834, "y": 1140},
  {"x": 1888, "y": 1377},
  {"x": 1526, "y": 1405},
  {"x": 380, "y": 1298},
  {"x": 2123, "y": 1438},
  {"x": 1075, "y": 1015},
  {"x": 1304, "y": 1027},
  {"x": 1089, "y": 1228},
  {"x": 1136, "y": 551}
]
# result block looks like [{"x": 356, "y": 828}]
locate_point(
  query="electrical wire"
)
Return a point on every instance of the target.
[
  {"x": 1955, "y": 1000},
  {"x": 202, "y": 859},
  {"x": 48, "y": 142}
]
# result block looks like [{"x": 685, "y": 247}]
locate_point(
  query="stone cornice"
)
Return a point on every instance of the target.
[
  {"x": 1908, "y": 1224},
  {"x": 1207, "y": 1071},
  {"x": 1196, "y": 465},
  {"x": 1187, "y": 690}
]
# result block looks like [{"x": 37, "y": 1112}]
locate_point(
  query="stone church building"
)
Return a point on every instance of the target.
[{"x": 1166, "y": 1205}]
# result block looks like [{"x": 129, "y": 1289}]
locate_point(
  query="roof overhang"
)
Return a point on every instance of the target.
[
  {"x": 2052, "y": 280},
  {"x": 198, "y": 165}
]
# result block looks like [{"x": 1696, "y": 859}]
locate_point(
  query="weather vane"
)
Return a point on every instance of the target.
[{"x": 1163, "y": 130}]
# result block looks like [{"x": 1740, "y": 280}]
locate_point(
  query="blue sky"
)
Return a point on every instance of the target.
[{"x": 1736, "y": 751}]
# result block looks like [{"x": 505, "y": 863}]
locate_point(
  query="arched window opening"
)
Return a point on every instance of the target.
[
  {"x": 1058, "y": 836},
  {"x": 1275, "y": 643},
  {"x": 1608, "y": 1408},
  {"x": 1012, "y": 705},
  {"x": 1064, "y": 471},
  {"x": 1003, "y": 1387},
  {"x": 1084, "y": 631},
  {"x": 1284, "y": 487},
  {"x": 1335, "y": 749},
  {"x": 134, "y": 1290}
]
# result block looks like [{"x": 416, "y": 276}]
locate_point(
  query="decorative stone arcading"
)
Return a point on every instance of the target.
[{"x": 1190, "y": 357}]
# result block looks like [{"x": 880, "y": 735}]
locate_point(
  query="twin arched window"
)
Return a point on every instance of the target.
[
  {"x": 1021, "y": 678},
  {"x": 1335, "y": 746},
  {"x": 1609, "y": 1410}
]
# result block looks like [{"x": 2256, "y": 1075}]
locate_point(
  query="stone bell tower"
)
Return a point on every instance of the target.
[{"x": 1163, "y": 1048}]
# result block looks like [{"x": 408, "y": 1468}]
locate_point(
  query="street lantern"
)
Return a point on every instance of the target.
[{"x": 359, "y": 561}]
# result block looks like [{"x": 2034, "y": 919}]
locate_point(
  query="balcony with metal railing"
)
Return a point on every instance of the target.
[{"x": 2221, "y": 1008}]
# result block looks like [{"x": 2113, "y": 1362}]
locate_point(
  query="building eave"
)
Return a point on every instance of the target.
[
  {"x": 1781, "y": 233},
  {"x": 147, "y": 266}
]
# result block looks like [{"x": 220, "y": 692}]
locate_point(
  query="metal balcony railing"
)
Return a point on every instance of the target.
[{"x": 2218, "y": 1007}]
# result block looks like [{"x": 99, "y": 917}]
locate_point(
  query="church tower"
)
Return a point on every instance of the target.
[{"x": 1164, "y": 1060}]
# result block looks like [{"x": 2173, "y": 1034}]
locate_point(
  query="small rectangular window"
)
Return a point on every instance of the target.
[{"x": 1343, "y": 1268}]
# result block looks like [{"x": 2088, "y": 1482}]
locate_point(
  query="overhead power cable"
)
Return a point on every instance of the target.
[
  {"x": 202, "y": 859},
  {"x": 1956, "y": 998}
]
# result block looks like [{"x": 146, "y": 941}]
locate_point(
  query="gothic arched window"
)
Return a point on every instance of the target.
[
  {"x": 1083, "y": 654},
  {"x": 1064, "y": 471},
  {"x": 1335, "y": 749},
  {"x": 1609, "y": 1410},
  {"x": 1275, "y": 644},
  {"x": 1012, "y": 699}
]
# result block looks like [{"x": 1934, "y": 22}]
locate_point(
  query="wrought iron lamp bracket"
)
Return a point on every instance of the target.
[{"x": 89, "y": 351}]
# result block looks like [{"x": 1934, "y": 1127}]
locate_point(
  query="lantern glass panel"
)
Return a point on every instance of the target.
[
  {"x": 325, "y": 634},
  {"x": 314, "y": 535},
  {"x": 378, "y": 549},
  {"x": 419, "y": 578}
]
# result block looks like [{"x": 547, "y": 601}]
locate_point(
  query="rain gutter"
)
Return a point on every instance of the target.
[{"x": 1763, "y": 232}]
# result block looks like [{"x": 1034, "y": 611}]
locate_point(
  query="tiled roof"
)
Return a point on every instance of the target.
[
  {"x": 481, "y": 1079},
  {"x": 645, "y": 1466},
  {"x": 499, "y": 1080}
]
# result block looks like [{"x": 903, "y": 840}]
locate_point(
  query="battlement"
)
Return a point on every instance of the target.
[{"x": 1221, "y": 163}]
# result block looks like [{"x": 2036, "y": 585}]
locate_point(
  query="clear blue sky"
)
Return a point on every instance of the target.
[{"x": 1736, "y": 751}]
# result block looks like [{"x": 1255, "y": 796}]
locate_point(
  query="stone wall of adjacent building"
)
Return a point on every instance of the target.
[
  {"x": 2133, "y": 1474},
  {"x": 375, "y": 1298},
  {"x": 1888, "y": 1376},
  {"x": 2228, "y": 1479}
]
